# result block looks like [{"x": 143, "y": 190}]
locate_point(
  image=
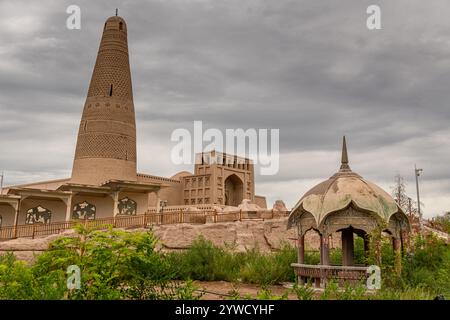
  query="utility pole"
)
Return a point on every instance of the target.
[
  {"x": 1, "y": 183},
  {"x": 417, "y": 173}
]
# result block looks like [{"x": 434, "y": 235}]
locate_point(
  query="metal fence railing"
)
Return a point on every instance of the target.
[{"x": 136, "y": 221}]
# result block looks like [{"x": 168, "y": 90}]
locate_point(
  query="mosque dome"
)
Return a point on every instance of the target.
[{"x": 342, "y": 190}]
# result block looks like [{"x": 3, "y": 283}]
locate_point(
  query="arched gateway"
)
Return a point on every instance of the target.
[
  {"x": 351, "y": 205},
  {"x": 233, "y": 190}
]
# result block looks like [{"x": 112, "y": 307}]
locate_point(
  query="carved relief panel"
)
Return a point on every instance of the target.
[
  {"x": 38, "y": 214},
  {"x": 127, "y": 206},
  {"x": 84, "y": 210}
]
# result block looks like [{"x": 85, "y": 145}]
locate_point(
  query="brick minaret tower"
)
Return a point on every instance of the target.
[{"x": 106, "y": 145}]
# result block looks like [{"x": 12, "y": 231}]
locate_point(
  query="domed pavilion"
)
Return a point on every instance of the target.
[{"x": 348, "y": 204}]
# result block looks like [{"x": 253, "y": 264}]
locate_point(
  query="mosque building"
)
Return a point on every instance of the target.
[{"x": 104, "y": 181}]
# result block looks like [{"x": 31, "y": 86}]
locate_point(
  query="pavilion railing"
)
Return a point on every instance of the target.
[
  {"x": 137, "y": 221},
  {"x": 319, "y": 275}
]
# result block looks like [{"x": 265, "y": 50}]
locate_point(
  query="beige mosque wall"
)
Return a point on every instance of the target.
[
  {"x": 173, "y": 194},
  {"x": 7, "y": 213},
  {"x": 96, "y": 171},
  {"x": 141, "y": 200},
  {"x": 172, "y": 190},
  {"x": 103, "y": 205}
]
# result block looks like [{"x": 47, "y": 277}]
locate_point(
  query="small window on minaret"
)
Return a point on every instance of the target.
[
  {"x": 110, "y": 91},
  {"x": 120, "y": 25}
]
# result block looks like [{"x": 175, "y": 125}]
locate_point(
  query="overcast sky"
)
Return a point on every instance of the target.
[{"x": 310, "y": 68}]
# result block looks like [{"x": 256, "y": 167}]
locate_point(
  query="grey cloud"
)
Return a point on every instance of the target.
[{"x": 309, "y": 68}]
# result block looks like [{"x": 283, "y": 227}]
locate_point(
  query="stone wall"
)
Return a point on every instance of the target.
[{"x": 268, "y": 235}]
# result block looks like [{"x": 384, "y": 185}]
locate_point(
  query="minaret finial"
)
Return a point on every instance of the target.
[
  {"x": 117, "y": 11},
  {"x": 344, "y": 159}
]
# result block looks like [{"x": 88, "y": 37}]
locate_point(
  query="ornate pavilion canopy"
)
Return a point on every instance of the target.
[
  {"x": 349, "y": 204},
  {"x": 343, "y": 190}
]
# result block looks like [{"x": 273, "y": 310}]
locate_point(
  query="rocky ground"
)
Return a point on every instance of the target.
[{"x": 267, "y": 235}]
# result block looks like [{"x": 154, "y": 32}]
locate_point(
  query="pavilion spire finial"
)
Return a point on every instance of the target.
[
  {"x": 117, "y": 12},
  {"x": 344, "y": 157}
]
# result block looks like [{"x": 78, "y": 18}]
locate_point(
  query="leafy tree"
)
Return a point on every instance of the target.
[
  {"x": 398, "y": 192},
  {"x": 114, "y": 265}
]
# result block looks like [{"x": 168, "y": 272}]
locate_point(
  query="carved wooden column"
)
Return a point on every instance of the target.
[
  {"x": 116, "y": 203},
  {"x": 347, "y": 247},
  {"x": 158, "y": 202},
  {"x": 301, "y": 252},
  {"x": 324, "y": 259},
  {"x": 301, "y": 248},
  {"x": 69, "y": 208},
  {"x": 324, "y": 250},
  {"x": 16, "y": 216}
]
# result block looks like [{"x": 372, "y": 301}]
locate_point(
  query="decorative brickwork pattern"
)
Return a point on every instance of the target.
[
  {"x": 107, "y": 131},
  {"x": 103, "y": 145}
]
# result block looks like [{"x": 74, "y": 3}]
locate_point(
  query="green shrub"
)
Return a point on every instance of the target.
[
  {"x": 428, "y": 266},
  {"x": 303, "y": 292},
  {"x": 359, "y": 253},
  {"x": 266, "y": 294},
  {"x": 18, "y": 281},
  {"x": 125, "y": 265},
  {"x": 114, "y": 265},
  {"x": 312, "y": 257},
  {"x": 205, "y": 261},
  {"x": 407, "y": 293},
  {"x": 336, "y": 256},
  {"x": 266, "y": 269}
]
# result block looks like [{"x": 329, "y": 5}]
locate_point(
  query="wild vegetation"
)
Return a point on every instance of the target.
[
  {"x": 441, "y": 222},
  {"x": 113, "y": 265},
  {"x": 127, "y": 265}
]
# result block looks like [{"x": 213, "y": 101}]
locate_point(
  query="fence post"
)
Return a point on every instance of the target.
[
  {"x": 181, "y": 216},
  {"x": 145, "y": 218},
  {"x": 215, "y": 215},
  {"x": 272, "y": 213},
  {"x": 240, "y": 215},
  {"x": 32, "y": 235}
]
